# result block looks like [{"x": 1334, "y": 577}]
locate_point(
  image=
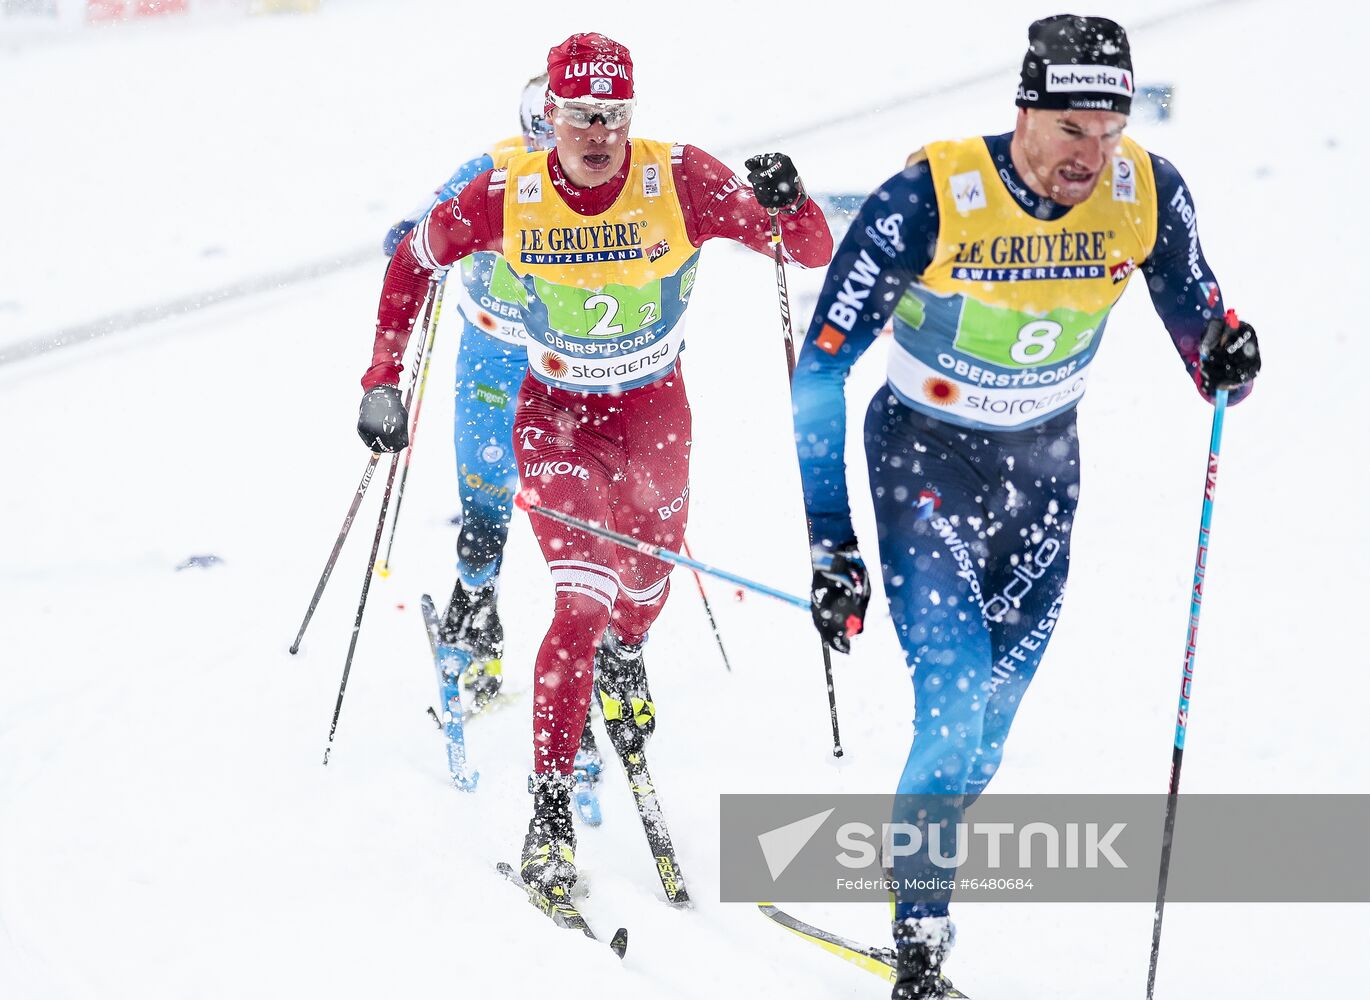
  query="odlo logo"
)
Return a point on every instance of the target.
[{"x": 1025, "y": 574}]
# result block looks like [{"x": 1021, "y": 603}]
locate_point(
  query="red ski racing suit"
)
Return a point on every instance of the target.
[{"x": 602, "y": 276}]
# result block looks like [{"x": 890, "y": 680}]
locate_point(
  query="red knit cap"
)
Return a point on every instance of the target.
[{"x": 590, "y": 65}]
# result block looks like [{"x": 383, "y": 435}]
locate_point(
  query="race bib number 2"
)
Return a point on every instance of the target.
[{"x": 612, "y": 311}]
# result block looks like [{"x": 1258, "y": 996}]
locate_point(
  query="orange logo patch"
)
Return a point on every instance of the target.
[
  {"x": 941, "y": 392},
  {"x": 830, "y": 339},
  {"x": 486, "y": 322}
]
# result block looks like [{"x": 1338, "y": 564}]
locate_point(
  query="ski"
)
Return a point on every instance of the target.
[
  {"x": 879, "y": 961},
  {"x": 561, "y": 912},
  {"x": 449, "y": 663},
  {"x": 654, "y": 824},
  {"x": 587, "y": 769}
]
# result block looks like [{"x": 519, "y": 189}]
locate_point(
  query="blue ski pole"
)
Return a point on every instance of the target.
[
  {"x": 528, "y": 500},
  {"x": 1196, "y": 596}
]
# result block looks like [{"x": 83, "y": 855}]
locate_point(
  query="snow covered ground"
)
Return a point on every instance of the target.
[{"x": 166, "y": 830}]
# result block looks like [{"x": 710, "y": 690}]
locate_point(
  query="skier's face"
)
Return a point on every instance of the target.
[
  {"x": 592, "y": 155},
  {"x": 1064, "y": 152}
]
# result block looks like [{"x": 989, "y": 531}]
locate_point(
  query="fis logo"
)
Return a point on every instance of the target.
[
  {"x": 968, "y": 191},
  {"x": 651, "y": 182},
  {"x": 530, "y": 189},
  {"x": 601, "y": 85}
]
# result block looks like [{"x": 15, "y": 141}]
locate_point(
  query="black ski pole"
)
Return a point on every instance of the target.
[
  {"x": 361, "y": 605},
  {"x": 783, "y": 290},
  {"x": 699, "y": 582},
  {"x": 337, "y": 548},
  {"x": 351, "y": 513},
  {"x": 383, "y": 567}
]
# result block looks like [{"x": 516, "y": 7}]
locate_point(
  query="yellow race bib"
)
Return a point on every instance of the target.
[
  {"x": 603, "y": 296},
  {"x": 1000, "y": 330}
]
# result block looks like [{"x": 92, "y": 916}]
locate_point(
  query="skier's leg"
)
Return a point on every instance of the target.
[
  {"x": 1033, "y": 512},
  {"x": 487, "y": 378},
  {"x": 489, "y": 373},
  {"x": 651, "y": 502},
  {"x": 927, "y": 485},
  {"x": 571, "y": 465}
]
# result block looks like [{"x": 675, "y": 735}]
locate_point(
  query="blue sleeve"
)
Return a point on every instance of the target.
[
  {"x": 1183, "y": 289},
  {"x": 891, "y": 241},
  {"x": 465, "y": 174}
]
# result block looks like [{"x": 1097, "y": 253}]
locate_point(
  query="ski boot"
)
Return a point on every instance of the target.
[
  {"x": 621, "y": 681},
  {"x": 548, "y": 862},
  {"x": 586, "y": 772},
  {"x": 472, "y": 625},
  {"x": 921, "y": 944}
]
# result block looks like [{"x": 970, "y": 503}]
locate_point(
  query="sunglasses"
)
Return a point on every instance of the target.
[{"x": 581, "y": 113}]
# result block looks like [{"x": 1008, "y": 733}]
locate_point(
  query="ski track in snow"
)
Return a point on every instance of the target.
[{"x": 166, "y": 830}]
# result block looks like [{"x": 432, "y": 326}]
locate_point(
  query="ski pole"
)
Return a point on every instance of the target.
[
  {"x": 1186, "y": 680},
  {"x": 361, "y": 605},
  {"x": 718, "y": 637},
  {"x": 337, "y": 548},
  {"x": 527, "y": 500},
  {"x": 783, "y": 291},
  {"x": 383, "y": 567},
  {"x": 347, "y": 522}
]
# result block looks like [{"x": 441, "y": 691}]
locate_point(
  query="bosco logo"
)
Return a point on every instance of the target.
[{"x": 665, "y": 511}]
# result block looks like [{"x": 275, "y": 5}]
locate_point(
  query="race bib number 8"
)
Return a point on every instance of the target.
[{"x": 1013, "y": 339}]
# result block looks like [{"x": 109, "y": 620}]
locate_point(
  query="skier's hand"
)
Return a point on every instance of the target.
[
  {"x": 1229, "y": 355},
  {"x": 839, "y": 594},
  {"x": 383, "y": 423},
  {"x": 775, "y": 182}
]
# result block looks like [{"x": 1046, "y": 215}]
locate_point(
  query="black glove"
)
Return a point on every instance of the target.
[
  {"x": 1229, "y": 355},
  {"x": 383, "y": 423},
  {"x": 776, "y": 182},
  {"x": 840, "y": 592}
]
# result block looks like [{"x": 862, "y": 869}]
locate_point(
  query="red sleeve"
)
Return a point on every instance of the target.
[
  {"x": 718, "y": 205},
  {"x": 469, "y": 223}
]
